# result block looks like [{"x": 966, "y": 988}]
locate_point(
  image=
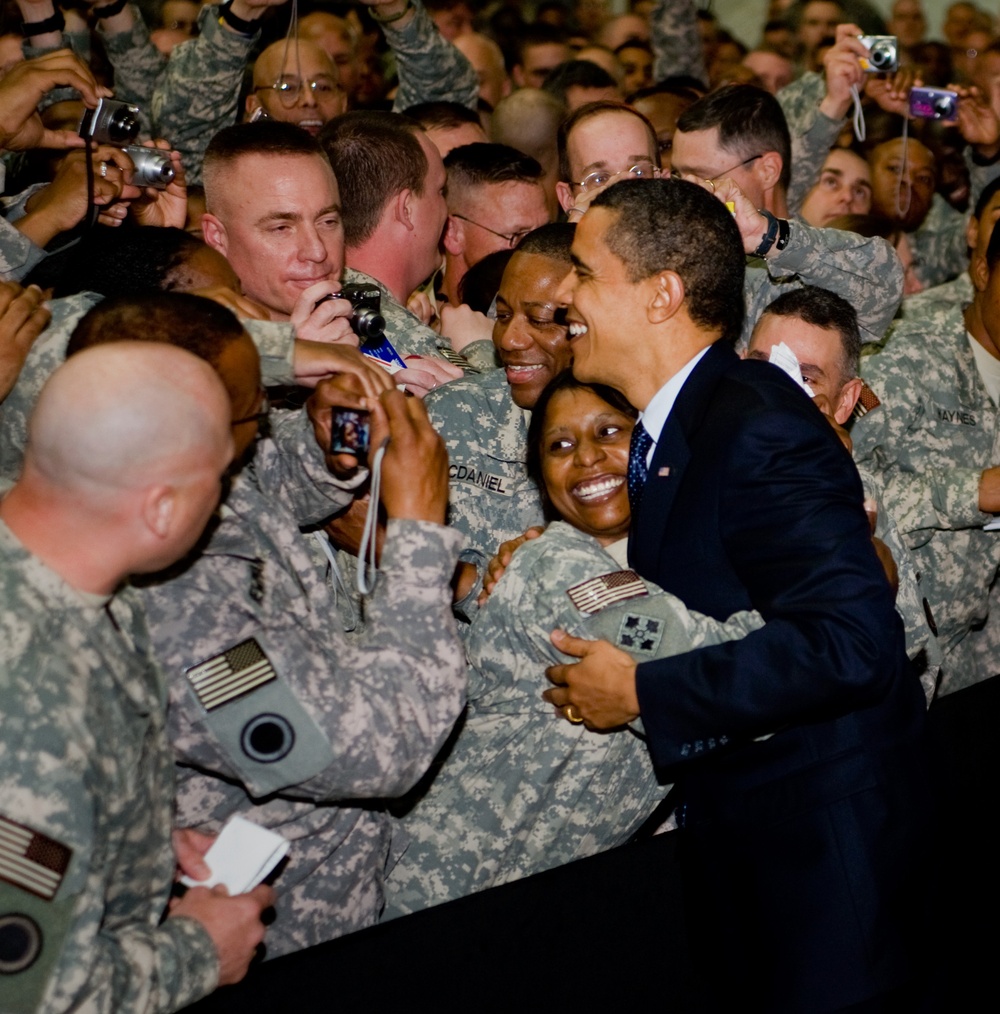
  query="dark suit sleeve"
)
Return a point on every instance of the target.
[{"x": 795, "y": 534}]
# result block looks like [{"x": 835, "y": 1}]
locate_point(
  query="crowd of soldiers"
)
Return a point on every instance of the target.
[{"x": 192, "y": 626}]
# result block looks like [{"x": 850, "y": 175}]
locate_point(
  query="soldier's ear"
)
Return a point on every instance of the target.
[
  {"x": 158, "y": 507},
  {"x": 454, "y": 236},
  {"x": 564, "y": 194},
  {"x": 768, "y": 169},
  {"x": 402, "y": 205},
  {"x": 214, "y": 233},
  {"x": 979, "y": 272},
  {"x": 849, "y": 395},
  {"x": 251, "y": 105}
]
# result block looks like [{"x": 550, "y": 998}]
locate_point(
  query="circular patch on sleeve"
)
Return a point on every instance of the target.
[
  {"x": 20, "y": 943},
  {"x": 267, "y": 738}
]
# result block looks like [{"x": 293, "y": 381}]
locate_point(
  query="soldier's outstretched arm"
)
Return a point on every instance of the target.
[
  {"x": 676, "y": 42},
  {"x": 198, "y": 92},
  {"x": 267, "y": 690},
  {"x": 863, "y": 270},
  {"x": 430, "y": 68}
]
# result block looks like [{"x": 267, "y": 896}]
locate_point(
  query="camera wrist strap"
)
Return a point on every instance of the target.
[
  {"x": 860, "y": 130},
  {"x": 368, "y": 568}
]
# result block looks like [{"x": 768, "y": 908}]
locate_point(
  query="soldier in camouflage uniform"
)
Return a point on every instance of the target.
[
  {"x": 484, "y": 420},
  {"x": 18, "y": 254},
  {"x": 197, "y": 95},
  {"x": 676, "y": 41},
  {"x": 864, "y": 271},
  {"x": 283, "y": 361},
  {"x": 275, "y": 211},
  {"x": 933, "y": 443},
  {"x": 821, "y": 331},
  {"x": 86, "y": 863},
  {"x": 521, "y": 791},
  {"x": 307, "y": 718}
]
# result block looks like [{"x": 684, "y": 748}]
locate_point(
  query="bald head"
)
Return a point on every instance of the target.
[
  {"x": 119, "y": 417},
  {"x": 528, "y": 120},
  {"x": 487, "y": 60},
  {"x": 337, "y": 39},
  {"x": 312, "y": 93}
]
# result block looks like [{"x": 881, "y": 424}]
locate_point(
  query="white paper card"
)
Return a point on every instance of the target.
[{"x": 242, "y": 856}]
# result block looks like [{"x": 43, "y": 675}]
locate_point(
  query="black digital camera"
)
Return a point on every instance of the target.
[{"x": 367, "y": 321}]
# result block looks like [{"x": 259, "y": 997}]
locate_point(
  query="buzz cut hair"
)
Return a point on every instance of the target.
[
  {"x": 265, "y": 137},
  {"x": 442, "y": 115},
  {"x": 554, "y": 240},
  {"x": 482, "y": 164},
  {"x": 193, "y": 323},
  {"x": 824, "y": 309}
]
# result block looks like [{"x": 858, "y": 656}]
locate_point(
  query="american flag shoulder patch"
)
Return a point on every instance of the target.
[
  {"x": 598, "y": 593},
  {"x": 234, "y": 673},
  {"x": 31, "y": 860}
]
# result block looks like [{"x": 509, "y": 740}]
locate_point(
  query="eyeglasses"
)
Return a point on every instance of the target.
[
  {"x": 510, "y": 238},
  {"x": 263, "y": 408},
  {"x": 675, "y": 175},
  {"x": 642, "y": 170},
  {"x": 289, "y": 89}
]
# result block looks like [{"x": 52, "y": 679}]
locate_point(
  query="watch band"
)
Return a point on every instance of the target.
[
  {"x": 111, "y": 9},
  {"x": 236, "y": 23},
  {"x": 392, "y": 17},
  {"x": 54, "y": 23}
]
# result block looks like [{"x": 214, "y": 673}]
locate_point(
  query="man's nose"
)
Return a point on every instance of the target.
[{"x": 312, "y": 247}]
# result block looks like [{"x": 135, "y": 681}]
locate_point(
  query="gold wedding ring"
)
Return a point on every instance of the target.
[{"x": 571, "y": 715}]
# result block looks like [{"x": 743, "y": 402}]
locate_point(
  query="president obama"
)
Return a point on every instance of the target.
[{"x": 797, "y": 750}]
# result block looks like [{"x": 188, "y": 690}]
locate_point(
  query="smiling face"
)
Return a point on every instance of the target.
[
  {"x": 277, "y": 221},
  {"x": 584, "y": 456},
  {"x": 531, "y": 343},
  {"x": 296, "y": 65},
  {"x": 608, "y": 310}
]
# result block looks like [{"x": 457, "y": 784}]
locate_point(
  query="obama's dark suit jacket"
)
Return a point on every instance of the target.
[{"x": 799, "y": 848}]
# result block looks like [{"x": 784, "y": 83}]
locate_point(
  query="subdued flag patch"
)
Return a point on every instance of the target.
[
  {"x": 237, "y": 671},
  {"x": 31, "y": 860},
  {"x": 598, "y": 593}
]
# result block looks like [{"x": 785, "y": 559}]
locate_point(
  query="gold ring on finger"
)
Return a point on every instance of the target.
[
  {"x": 571, "y": 715},
  {"x": 711, "y": 183}
]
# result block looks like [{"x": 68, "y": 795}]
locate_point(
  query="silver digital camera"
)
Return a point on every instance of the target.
[
  {"x": 153, "y": 167},
  {"x": 883, "y": 53},
  {"x": 112, "y": 122},
  {"x": 117, "y": 123}
]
